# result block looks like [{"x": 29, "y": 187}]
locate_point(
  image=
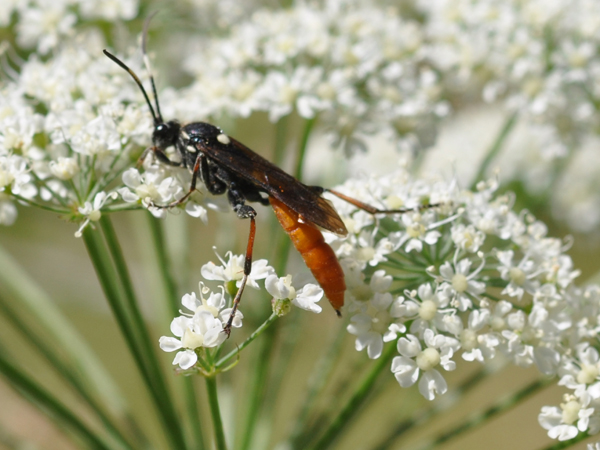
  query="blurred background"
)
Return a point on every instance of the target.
[{"x": 508, "y": 91}]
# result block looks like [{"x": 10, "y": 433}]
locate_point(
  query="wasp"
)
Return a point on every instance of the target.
[{"x": 226, "y": 166}]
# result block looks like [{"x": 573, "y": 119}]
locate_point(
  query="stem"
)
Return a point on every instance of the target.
[
  {"x": 244, "y": 344},
  {"x": 107, "y": 177},
  {"x": 55, "y": 196},
  {"x": 122, "y": 273},
  {"x": 256, "y": 389},
  {"x": 42, "y": 312},
  {"x": 213, "y": 401},
  {"x": 479, "y": 418},
  {"x": 40, "y": 205},
  {"x": 281, "y": 129},
  {"x": 315, "y": 386},
  {"x": 40, "y": 397},
  {"x": 300, "y": 156},
  {"x": 135, "y": 337},
  {"x": 356, "y": 400},
  {"x": 495, "y": 148},
  {"x": 426, "y": 415},
  {"x": 162, "y": 265},
  {"x": 30, "y": 334},
  {"x": 122, "y": 207}
]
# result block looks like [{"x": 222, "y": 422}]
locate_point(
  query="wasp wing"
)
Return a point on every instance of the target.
[{"x": 253, "y": 168}]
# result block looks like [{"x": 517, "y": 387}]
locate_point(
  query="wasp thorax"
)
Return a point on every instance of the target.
[
  {"x": 166, "y": 134},
  {"x": 202, "y": 132}
]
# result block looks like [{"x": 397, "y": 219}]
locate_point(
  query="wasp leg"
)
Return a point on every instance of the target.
[
  {"x": 372, "y": 210},
  {"x": 243, "y": 211},
  {"x": 200, "y": 161},
  {"x": 210, "y": 177},
  {"x": 160, "y": 155}
]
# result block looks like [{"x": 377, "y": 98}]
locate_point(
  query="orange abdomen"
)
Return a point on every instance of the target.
[{"x": 317, "y": 254}]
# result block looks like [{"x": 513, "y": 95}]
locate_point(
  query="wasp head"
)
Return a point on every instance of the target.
[{"x": 166, "y": 134}]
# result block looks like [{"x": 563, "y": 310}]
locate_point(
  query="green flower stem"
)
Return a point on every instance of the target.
[
  {"x": 395, "y": 264},
  {"x": 316, "y": 383},
  {"x": 410, "y": 258},
  {"x": 40, "y": 397},
  {"x": 109, "y": 176},
  {"x": 122, "y": 273},
  {"x": 152, "y": 360},
  {"x": 46, "y": 318},
  {"x": 40, "y": 205},
  {"x": 162, "y": 265},
  {"x": 446, "y": 248},
  {"x": 478, "y": 419},
  {"x": 495, "y": 149},
  {"x": 113, "y": 288},
  {"x": 244, "y": 344},
  {"x": 131, "y": 305},
  {"x": 89, "y": 175},
  {"x": 30, "y": 334},
  {"x": 301, "y": 154},
  {"x": 257, "y": 385},
  {"x": 281, "y": 131},
  {"x": 58, "y": 198},
  {"x": 428, "y": 413},
  {"x": 351, "y": 407},
  {"x": 122, "y": 207},
  {"x": 213, "y": 401}
]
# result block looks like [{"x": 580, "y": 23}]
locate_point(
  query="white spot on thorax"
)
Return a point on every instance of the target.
[
  {"x": 223, "y": 139},
  {"x": 185, "y": 135},
  {"x": 191, "y": 149}
]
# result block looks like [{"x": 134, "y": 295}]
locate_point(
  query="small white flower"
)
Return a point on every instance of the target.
[
  {"x": 149, "y": 188},
  {"x": 64, "y": 168},
  {"x": 201, "y": 330},
  {"x": 427, "y": 311},
  {"x": 467, "y": 237},
  {"x": 416, "y": 361},
  {"x": 572, "y": 417},
  {"x": 461, "y": 282},
  {"x": 233, "y": 270},
  {"x": 92, "y": 211},
  {"x": 418, "y": 231},
  {"x": 521, "y": 278},
  {"x": 374, "y": 325},
  {"x": 305, "y": 298}
]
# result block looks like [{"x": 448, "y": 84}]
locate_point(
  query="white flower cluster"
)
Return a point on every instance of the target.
[
  {"x": 203, "y": 328},
  {"x": 43, "y": 24},
  {"x": 67, "y": 126},
  {"x": 358, "y": 66},
  {"x": 540, "y": 56},
  {"x": 470, "y": 278}
]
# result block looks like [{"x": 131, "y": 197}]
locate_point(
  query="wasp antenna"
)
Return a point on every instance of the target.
[
  {"x": 147, "y": 61},
  {"x": 157, "y": 119}
]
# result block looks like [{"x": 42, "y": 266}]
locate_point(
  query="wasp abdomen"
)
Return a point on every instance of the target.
[{"x": 317, "y": 254}]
